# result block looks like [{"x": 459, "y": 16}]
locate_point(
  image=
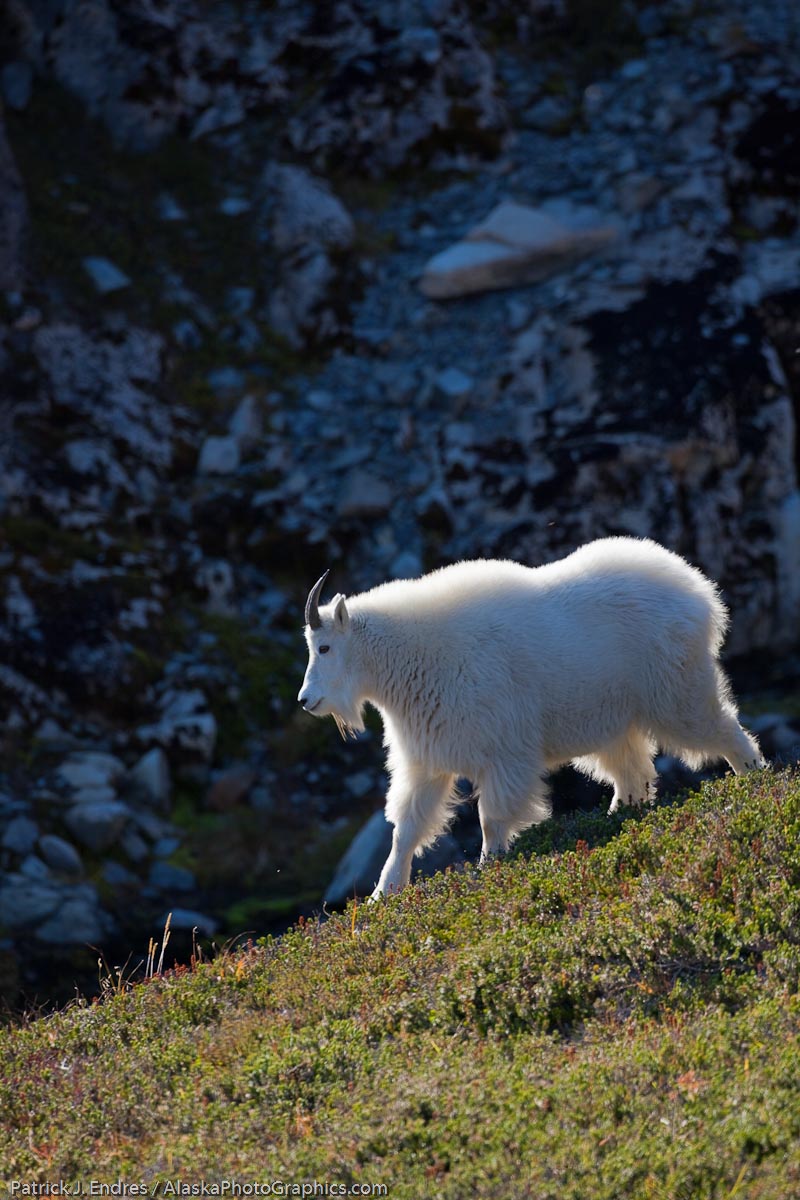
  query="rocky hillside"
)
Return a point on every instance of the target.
[{"x": 370, "y": 287}]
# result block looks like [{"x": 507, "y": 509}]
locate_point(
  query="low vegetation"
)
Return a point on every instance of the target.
[{"x": 580, "y": 1020}]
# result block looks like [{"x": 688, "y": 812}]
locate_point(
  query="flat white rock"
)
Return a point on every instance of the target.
[{"x": 515, "y": 244}]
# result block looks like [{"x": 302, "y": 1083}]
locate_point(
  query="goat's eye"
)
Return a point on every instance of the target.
[{"x": 324, "y": 649}]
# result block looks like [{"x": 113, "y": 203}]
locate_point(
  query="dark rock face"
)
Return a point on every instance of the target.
[
  {"x": 13, "y": 218},
  {"x": 148, "y": 70},
  {"x": 401, "y": 81},
  {"x": 224, "y": 368},
  {"x": 678, "y": 373},
  {"x": 770, "y": 145},
  {"x": 390, "y": 84}
]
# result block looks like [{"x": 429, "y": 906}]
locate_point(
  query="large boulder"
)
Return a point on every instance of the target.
[
  {"x": 311, "y": 231},
  {"x": 98, "y": 824}
]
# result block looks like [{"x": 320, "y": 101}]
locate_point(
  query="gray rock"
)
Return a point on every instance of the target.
[
  {"x": 105, "y": 276},
  {"x": 360, "y": 783},
  {"x": 183, "y": 724},
  {"x": 419, "y": 43},
  {"x": 8, "y": 804},
  {"x": 87, "y": 456},
  {"x": 225, "y": 380},
  {"x": 634, "y": 68},
  {"x": 297, "y": 305},
  {"x": 516, "y": 244},
  {"x": 16, "y": 82},
  {"x": 134, "y": 846},
  {"x": 166, "y": 846},
  {"x": 139, "y": 613},
  {"x": 60, "y": 854},
  {"x": 89, "y": 57},
  {"x": 26, "y": 693},
  {"x": 407, "y": 565},
  {"x": 363, "y": 494},
  {"x": 32, "y": 867},
  {"x": 239, "y": 300},
  {"x": 246, "y": 424},
  {"x": 149, "y": 824},
  {"x": 550, "y": 114},
  {"x": 168, "y": 208},
  {"x": 98, "y": 825},
  {"x": 118, "y": 876},
  {"x": 785, "y": 740},
  {"x": 361, "y": 865},
  {"x": 219, "y": 456},
  {"x": 149, "y": 779},
  {"x": 306, "y": 211},
  {"x": 218, "y": 580},
  {"x": 52, "y": 737},
  {"x": 19, "y": 608},
  {"x": 227, "y": 110},
  {"x": 78, "y": 921},
  {"x": 762, "y": 723},
  {"x": 320, "y": 400},
  {"x": 93, "y": 794},
  {"x": 20, "y": 835},
  {"x": 261, "y": 799},
  {"x": 187, "y": 334},
  {"x": 23, "y": 901},
  {"x": 454, "y": 383},
  {"x": 197, "y": 732},
  {"x": 234, "y": 206},
  {"x": 168, "y": 878},
  {"x": 91, "y": 768}
]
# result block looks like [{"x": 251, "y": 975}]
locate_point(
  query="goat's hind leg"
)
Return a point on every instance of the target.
[
  {"x": 740, "y": 748},
  {"x": 419, "y": 806},
  {"x": 727, "y": 740},
  {"x": 627, "y": 763},
  {"x": 705, "y": 726}
]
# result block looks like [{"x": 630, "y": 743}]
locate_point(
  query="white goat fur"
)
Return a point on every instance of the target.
[{"x": 500, "y": 672}]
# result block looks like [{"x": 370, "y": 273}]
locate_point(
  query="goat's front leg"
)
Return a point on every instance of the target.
[
  {"x": 418, "y": 806},
  {"x": 397, "y": 869},
  {"x": 496, "y": 838}
]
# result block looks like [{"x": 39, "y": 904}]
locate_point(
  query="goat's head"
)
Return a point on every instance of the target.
[{"x": 331, "y": 684}]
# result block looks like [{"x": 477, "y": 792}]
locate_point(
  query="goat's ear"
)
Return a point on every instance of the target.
[{"x": 341, "y": 617}]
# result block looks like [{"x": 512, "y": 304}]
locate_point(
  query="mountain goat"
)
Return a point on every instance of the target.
[{"x": 500, "y": 672}]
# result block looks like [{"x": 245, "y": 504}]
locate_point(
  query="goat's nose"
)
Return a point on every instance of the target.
[{"x": 302, "y": 698}]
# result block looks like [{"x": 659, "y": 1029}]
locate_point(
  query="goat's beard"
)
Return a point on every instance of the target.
[
  {"x": 351, "y": 723},
  {"x": 346, "y": 730}
]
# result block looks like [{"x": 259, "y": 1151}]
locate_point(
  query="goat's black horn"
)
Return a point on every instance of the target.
[{"x": 312, "y": 603}]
